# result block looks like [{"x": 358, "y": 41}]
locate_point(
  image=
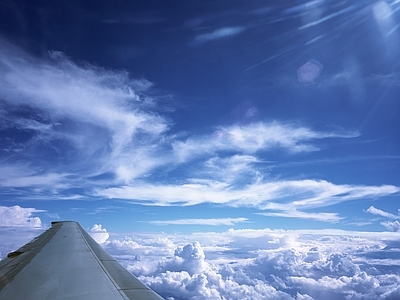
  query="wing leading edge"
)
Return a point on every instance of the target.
[{"x": 66, "y": 263}]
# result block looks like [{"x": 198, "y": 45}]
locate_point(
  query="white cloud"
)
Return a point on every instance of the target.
[
  {"x": 189, "y": 258},
  {"x": 253, "y": 138},
  {"x": 261, "y": 264},
  {"x": 104, "y": 120},
  {"x": 339, "y": 193},
  {"x": 19, "y": 216},
  {"x": 393, "y": 226},
  {"x": 111, "y": 123},
  {"x": 34, "y": 180},
  {"x": 378, "y": 212},
  {"x": 287, "y": 196},
  {"x": 99, "y": 234},
  {"x": 209, "y": 222},
  {"x": 233, "y": 169},
  {"x": 23, "y": 175},
  {"x": 217, "y": 34},
  {"x": 325, "y": 217},
  {"x": 267, "y": 264}
]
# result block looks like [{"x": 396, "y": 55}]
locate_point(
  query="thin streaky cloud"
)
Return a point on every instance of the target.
[
  {"x": 208, "y": 222},
  {"x": 392, "y": 226},
  {"x": 279, "y": 195},
  {"x": 378, "y": 212},
  {"x": 335, "y": 194},
  {"x": 113, "y": 130},
  {"x": 253, "y": 138},
  {"x": 359, "y": 224},
  {"x": 50, "y": 179},
  {"x": 322, "y": 216},
  {"x": 23, "y": 175},
  {"x": 219, "y": 33}
]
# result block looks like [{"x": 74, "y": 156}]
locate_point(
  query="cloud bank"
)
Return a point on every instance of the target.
[{"x": 264, "y": 264}]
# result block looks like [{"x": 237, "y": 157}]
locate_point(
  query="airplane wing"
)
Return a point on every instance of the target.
[{"x": 66, "y": 263}]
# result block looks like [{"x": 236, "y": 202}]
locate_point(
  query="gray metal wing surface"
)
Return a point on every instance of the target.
[{"x": 66, "y": 263}]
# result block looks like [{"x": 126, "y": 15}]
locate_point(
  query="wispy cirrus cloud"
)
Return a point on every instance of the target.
[
  {"x": 392, "y": 226},
  {"x": 97, "y": 127},
  {"x": 324, "y": 217},
  {"x": 99, "y": 116},
  {"x": 219, "y": 33},
  {"x": 378, "y": 212},
  {"x": 283, "y": 198},
  {"x": 253, "y": 138},
  {"x": 35, "y": 180},
  {"x": 20, "y": 175},
  {"x": 208, "y": 222}
]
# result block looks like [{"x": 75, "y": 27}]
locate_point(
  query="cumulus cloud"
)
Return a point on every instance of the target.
[
  {"x": 18, "y": 225},
  {"x": 99, "y": 234},
  {"x": 267, "y": 264},
  {"x": 189, "y": 258},
  {"x": 261, "y": 264},
  {"x": 19, "y": 216}
]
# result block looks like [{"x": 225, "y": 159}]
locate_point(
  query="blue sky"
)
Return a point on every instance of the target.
[{"x": 187, "y": 117}]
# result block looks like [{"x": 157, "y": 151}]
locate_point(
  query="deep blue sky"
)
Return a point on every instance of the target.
[{"x": 179, "y": 115}]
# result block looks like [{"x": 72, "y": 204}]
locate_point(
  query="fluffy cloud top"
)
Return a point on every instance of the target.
[
  {"x": 19, "y": 216},
  {"x": 314, "y": 265},
  {"x": 261, "y": 264},
  {"x": 99, "y": 234}
]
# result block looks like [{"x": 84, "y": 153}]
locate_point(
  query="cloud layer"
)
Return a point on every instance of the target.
[{"x": 264, "y": 264}]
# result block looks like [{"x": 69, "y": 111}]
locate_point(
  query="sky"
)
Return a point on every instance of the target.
[{"x": 218, "y": 150}]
